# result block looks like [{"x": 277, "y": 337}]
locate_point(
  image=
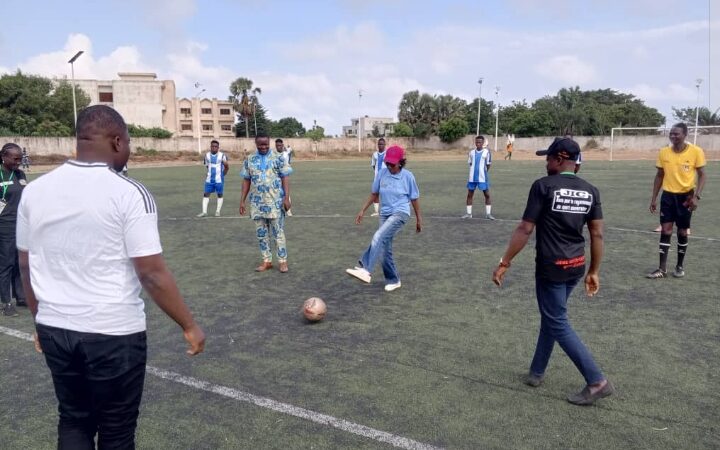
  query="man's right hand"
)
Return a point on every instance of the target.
[
  {"x": 196, "y": 338},
  {"x": 653, "y": 206},
  {"x": 242, "y": 209}
]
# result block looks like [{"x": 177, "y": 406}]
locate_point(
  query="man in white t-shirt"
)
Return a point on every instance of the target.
[{"x": 88, "y": 243}]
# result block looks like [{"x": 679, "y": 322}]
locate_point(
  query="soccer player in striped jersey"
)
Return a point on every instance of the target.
[
  {"x": 286, "y": 154},
  {"x": 479, "y": 160},
  {"x": 217, "y": 167},
  {"x": 377, "y": 164}
]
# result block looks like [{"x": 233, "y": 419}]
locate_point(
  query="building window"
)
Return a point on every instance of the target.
[
  {"x": 105, "y": 97},
  {"x": 186, "y": 111},
  {"x": 186, "y": 127},
  {"x": 207, "y": 127},
  {"x": 226, "y": 127},
  {"x": 225, "y": 111},
  {"x": 206, "y": 110}
]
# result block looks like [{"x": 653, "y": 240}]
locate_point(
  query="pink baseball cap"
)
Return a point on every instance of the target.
[{"x": 394, "y": 154}]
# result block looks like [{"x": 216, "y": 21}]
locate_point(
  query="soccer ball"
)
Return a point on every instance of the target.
[{"x": 314, "y": 309}]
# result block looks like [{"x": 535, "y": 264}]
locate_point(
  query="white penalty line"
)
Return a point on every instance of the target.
[{"x": 273, "y": 405}]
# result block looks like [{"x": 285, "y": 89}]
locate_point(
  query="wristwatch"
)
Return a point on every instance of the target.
[{"x": 504, "y": 264}]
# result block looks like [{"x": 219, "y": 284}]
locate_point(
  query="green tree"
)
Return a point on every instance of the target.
[
  {"x": 316, "y": 134},
  {"x": 287, "y": 127},
  {"x": 402, "y": 130},
  {"x": 257, "y": 119},
  {"x": 244, "y": 98},
  {"x": 27, "y": 101},
  {"x": 154, "y": 132},
  {"x": 487, "y": 116},
  {"x": 452, "y": 129},
  {"x": 705, "y": 116}
]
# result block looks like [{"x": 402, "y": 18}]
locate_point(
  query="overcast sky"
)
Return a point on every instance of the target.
[{"x": 312, "y": 57}]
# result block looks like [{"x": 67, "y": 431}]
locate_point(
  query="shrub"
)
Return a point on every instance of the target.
[
  {"x": 452, "y": 129},
  {"x": 155, "y": 132}
]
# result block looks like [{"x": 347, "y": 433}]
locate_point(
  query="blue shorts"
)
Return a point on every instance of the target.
[
  {"x": 482, "y": 186},
  {"x": 214, "y": 187}
]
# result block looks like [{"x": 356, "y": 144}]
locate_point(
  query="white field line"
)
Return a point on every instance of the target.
[
  {"x": 273, "y": 405},
  {"x": 340, "y": 216}
]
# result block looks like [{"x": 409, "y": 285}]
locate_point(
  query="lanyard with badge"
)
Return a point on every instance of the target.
[{"x": 5, "y": 185}]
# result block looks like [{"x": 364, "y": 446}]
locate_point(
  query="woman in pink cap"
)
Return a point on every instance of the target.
[{"x": 396, "y": 190}]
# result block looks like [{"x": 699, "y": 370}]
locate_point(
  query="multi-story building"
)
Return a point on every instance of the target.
[
  {"x": 210, "y": 117},
  {"x": 381, "y": 126},
  {"x": 144, "y": 100}
]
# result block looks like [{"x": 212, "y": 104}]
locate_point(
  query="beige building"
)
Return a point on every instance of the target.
[
  {"x": 212, "y": 117},
  {"x": 144, "y": 100},
  {"x": 384, "y": 126}
]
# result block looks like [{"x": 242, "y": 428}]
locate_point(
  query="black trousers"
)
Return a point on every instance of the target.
[
  {"x": 98, "y": 382},
  {"x": 10, "y": 284}
]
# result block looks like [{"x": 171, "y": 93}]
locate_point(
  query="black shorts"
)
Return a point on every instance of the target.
[{"x": 673, "y": 209}]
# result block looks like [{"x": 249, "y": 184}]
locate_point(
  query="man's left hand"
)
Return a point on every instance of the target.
[
  {"x": 286, "y": 204},
  {"x": 592, "y": 284},
  {"x": 498, "y": 275}
]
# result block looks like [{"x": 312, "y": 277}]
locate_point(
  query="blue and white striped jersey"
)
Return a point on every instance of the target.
[
  {"x": 479, "y": 160},
  {"x": 214, "y": 164},
  {"x": 377, "y": 162}
]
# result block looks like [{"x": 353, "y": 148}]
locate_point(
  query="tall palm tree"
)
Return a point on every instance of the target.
[{"x": 244, "y": 97}]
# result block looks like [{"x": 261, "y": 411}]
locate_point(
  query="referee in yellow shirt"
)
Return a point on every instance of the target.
[{"x": 676, "y": 168}]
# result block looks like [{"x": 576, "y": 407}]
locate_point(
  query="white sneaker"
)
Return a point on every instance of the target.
[
  {"x": 360, "y": 274},
  {"x": 392, "y": 286},
  {"x": 489, "y": 217},
  {"x": 374, "y": 215},
  {"x": 289, "y": 213},
  {"x": 217, "y": 213},
  {"x": 202, "y": 215},
  {"x": 467, "y": 216}
]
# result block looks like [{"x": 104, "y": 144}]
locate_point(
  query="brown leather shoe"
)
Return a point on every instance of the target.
[
  {"x": 283, "y": 267},
  {"x": 265, "y": 265}
]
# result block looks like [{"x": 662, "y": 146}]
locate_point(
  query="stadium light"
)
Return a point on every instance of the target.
[
  {"x": 698, "y": 82},
  {"x": 199, "y": 131},
  {"x": 497, "y": 113},
  {"x": 477, "y": 129},
  {"x": 72, "y": 72}
]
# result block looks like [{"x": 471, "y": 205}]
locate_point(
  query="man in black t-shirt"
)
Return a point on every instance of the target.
[{"x": 559, "y": 206}]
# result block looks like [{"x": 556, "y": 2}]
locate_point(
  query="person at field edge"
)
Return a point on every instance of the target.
[
  {"x": 217, "y": 166},
  {"x": 509, "y": 150},
  {"x": 266, "y": 182},
  {"x": 13, "y": 181},
  {"x": 376, "y": 162},
  {"x": 559, "y": 205},
  {"x": 84, "y": 257},
  {"x": 579, "y": 160},
  {"x": 25, "y": 160},
  {"x": 286, "y": 154},
  {"x": 479, "y": 160},
  {"x": 396, "y": 190},
  {"x": 677, "y": 166}
]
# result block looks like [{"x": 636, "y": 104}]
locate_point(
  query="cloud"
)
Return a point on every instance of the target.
[
  {"x": 186, "y": 68},
  {"x": 567, "y": 69},
  {"x": 670, "y": 92},
  {"x": 55, "y": 63},
  {"x": 363, "y": 39}
]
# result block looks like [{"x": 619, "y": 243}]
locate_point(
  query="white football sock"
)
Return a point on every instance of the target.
[
  {"x": 376, "y": 206},
  {"x": 219, "y": 206},
  {"x": 488, "y": 208},
  {"x": 206, "y": 200},
  {"x": 468, "y": 209}
]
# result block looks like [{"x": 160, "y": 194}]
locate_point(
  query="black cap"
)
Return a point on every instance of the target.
[{"x": 563, "y": 147}]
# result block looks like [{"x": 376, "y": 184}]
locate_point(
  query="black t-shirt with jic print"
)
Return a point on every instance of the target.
[{"x": 560, "y": 206}]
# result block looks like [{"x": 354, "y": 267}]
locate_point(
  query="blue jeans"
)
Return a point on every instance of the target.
[
  {"x": 381, "y": 246},
  {"x": 98, "y": 382},
  {"x": 552, "y": 299}
]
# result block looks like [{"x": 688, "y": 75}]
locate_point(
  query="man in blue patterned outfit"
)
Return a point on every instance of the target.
[{"x": 265, "y": 180}]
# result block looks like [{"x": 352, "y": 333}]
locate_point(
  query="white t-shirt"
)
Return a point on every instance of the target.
[{"x": 81, "y": 224}]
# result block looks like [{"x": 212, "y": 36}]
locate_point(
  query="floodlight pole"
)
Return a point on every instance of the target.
[
  {"x": 360, "y": 93},
  {"x": 72, "y": 74},
  {"x": 197, "y": 99},
  {"x": 477, "y": 129},
  {"x": 698, "y": 82},
  {"x": 497, "y": 113}
]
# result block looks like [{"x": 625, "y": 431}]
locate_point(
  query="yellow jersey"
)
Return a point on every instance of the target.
[{"x": 680, "y": 167}]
